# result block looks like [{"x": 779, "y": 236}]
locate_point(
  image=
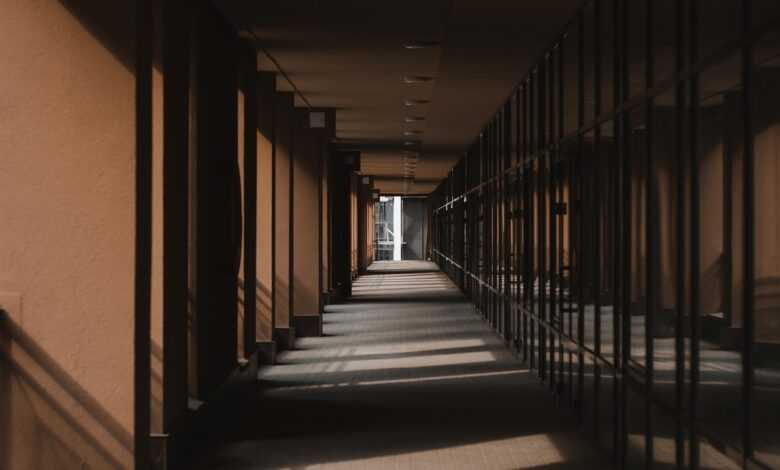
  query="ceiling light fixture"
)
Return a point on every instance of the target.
[
  {"x": 414, "y": 118},
  {"x": 414, "y": 79},
  {"x": 415, "y": 132},
  {"x": 411, "y": 143},
  {"x": 421, "y": 44},
  {"x": 410, "y": 103}
]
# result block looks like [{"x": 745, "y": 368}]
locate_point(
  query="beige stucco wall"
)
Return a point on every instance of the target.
[
  {"x": 156, "y": 380},
  {"x": 325, "y": 221},
  {"x": 711, "y": 141},
  {"x": 306, "y": 262},
  {"x": 284, "y": 149},
  {"x": 767, "y": 249},
  {"x": 265, "y": 201},
  {"x": 354, "y": 181},
  {"x": 67, "y": 193}
]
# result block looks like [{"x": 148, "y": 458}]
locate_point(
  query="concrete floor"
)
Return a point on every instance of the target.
[{"x": 406, "y": 376}]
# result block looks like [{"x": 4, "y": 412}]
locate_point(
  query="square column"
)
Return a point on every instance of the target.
[
  {"x": 313, "y": 131},
  {"x": 284, "y": 147}
]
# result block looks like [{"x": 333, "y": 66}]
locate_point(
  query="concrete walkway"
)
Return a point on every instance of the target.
[{"x": 406, "y": 376}]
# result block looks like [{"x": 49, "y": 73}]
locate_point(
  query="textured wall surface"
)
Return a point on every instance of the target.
[
  {"x": 284, "y": 149},
  {"x": 66, "y": 239},
  {"x": 306, "y": 209},
  {"x": 265, "y": 181}
]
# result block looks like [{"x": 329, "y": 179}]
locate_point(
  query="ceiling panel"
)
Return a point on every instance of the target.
[{"x": 350, "y": 55}]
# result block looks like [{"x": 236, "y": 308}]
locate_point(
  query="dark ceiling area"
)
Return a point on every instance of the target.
[{"x": 413, "y": 82}]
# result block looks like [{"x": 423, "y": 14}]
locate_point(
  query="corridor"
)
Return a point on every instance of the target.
[
  {"x": 406, "y": 375},
  {"x": 475, "y": 234}
]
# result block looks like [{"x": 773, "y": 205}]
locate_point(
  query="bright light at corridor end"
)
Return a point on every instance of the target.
[{"x": 399, "y": 232}]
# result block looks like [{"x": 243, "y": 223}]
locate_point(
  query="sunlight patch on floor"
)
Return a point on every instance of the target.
[
  {"x": 522, "y": 452},
  {"x": 387, "y": 348},
  {"x": 414, "y": 362},
  {"x": 364, "y": 383},
  {"x": 664, "y": 452}
]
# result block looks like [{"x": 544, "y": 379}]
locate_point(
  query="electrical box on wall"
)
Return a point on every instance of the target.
[{"x": 317, "y": 120}]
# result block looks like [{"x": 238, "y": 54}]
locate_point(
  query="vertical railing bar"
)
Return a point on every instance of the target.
[
  {"x": 626, "y": 252},
  {"x": 507, "y": 220},
  {"x": 580, "y": 216},
  {"x": 650, "y": 241},
  {"x": 597, "y": 216},
  {"x": 527, "y": 214},
  {"x": 748, "y": 209},
  {"x": 694, "y": 221},
  {"x": 561, "y": 249},
  {"x": 518, "y": 218},
  {"x": 533, "y": 188},
  {"x": 542, "y": 210},
  {"x": 616, "y": 224},
  {"x": 680, "y": 245},
  {"x": 550, "y": 196}
]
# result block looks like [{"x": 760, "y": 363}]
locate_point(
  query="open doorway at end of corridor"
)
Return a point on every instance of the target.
[{"x": 400, "y": 228}]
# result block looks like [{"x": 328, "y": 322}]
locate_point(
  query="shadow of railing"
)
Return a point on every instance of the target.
[{"x": 47, "y": 400}]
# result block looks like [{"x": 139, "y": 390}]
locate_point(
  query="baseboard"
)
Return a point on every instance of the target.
[
  {"x": 266, "y": 353},
  {"x": 308, "y": 326},
  {"x": 284, "y": 337},
  {"x": 766, "y": 354},
  {"x": 337, "y": 294}
]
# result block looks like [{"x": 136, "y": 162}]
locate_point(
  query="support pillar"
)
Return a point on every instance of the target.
[
  {"x": 266, "y": 203},
  {"x": 312, "y": 134},
  {"x": 343, "y": 164},
  {"x": 284, "y": 142},
  {"x": 217, "y": 225}
]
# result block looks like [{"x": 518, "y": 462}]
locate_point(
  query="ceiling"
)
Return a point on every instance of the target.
[{"x": 350, "y": 55}]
